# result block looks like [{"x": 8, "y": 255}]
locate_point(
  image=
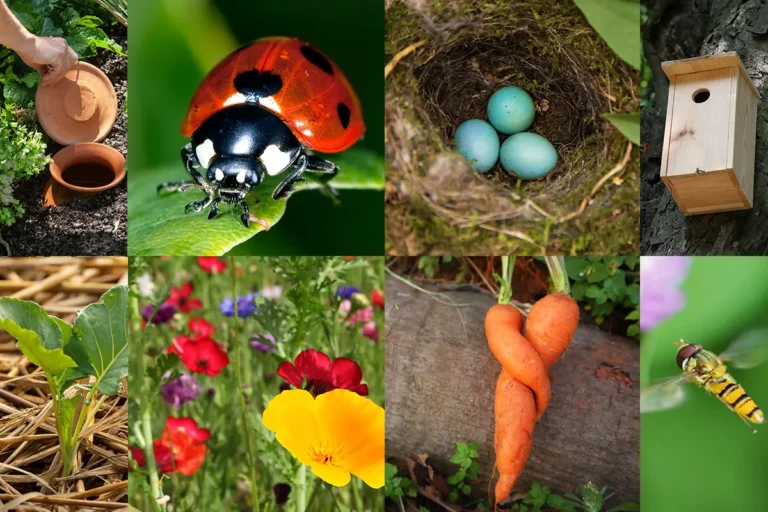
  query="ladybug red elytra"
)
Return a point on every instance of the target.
[{"x": 257, "y": 113}]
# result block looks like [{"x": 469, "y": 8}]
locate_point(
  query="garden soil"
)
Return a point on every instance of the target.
[
  {"x": 465, "y": 51},
  {"x": 94, "y": 225}
]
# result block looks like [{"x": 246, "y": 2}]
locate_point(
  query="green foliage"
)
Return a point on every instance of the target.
[
  {"x": 589, "y": 499},
  {"x": 607, "y": 284},
  {"x": 618, "y": 22},
  {"x": 94, "y": 347},
  {"x": 465, "y": 456},
  {"x": 159, "y": 226},
  {"x": 22, "y": 154},
  {"x": 428, "y": 264},
  {"x": 396, "y": 487},
  {"x": 627, "y": 124}
]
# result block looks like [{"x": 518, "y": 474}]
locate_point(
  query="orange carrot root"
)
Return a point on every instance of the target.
[{"x": 523, "y": 390}]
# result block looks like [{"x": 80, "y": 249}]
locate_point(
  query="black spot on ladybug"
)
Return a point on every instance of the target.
[
  {"x": 317, "y": 59},
  {"x": 344, "y": 113},
  {"x": 254, "y": 84}
]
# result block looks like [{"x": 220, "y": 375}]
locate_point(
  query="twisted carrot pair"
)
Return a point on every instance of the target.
[{"x": 523, "y": 390}]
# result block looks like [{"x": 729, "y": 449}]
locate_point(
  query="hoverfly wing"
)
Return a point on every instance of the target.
[
  {"x": 663, "y": 394},
  {"x": 747, "y": 351}
]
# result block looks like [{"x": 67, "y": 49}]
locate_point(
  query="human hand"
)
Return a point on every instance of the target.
[{"x": 50, "y": 56}]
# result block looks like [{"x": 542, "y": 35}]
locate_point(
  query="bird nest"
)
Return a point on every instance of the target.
[
  {"x": 446, "y": 63},
  {"x": 30, "y": 461}
]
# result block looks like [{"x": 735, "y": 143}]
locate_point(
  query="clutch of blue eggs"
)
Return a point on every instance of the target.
[{"x": 527, "y": 155}]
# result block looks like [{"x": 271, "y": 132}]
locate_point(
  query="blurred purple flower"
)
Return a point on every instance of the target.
[
  {"x": 263, "y": 342},
  {"x": 346, "y": 291},
  {"x": 660, "y": 294},
  {"x": 163, "y": 315},
  {"x": 180, "y": 391},
  {"x": 245, "y": 305}
]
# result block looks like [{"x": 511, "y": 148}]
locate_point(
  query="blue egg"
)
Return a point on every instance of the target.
[
  {"x": 511, "y": 110},
  {"x": 479, "y": 143},
  {"x": 528, "y": 155}
]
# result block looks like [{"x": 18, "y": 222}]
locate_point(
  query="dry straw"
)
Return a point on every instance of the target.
[{"x": 30, "y": 464}]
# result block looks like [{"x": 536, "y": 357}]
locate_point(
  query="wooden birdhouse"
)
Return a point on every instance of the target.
[{"x": 708, "y": 161}]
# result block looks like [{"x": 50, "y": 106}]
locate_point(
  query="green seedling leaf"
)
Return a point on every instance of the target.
[
  {"x": 159, "y": 226},
  {"x": 39, "y": 337},
  {"x": 627, "y": 124},
  {"x": 102, "y": 329},
  {"x": 618, "y": 23},
  {"x": 66, "y": 419}
]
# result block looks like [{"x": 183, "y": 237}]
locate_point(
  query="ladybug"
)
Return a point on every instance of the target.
[{"x": 262, "y": 111}]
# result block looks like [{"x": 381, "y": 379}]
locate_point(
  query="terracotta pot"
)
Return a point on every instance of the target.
[{"x": 92, "y": 164}]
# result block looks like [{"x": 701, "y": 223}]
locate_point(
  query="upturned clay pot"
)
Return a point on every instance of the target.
[
  {"x": 81, "y": 107},
  {"x": 88, "y": 168}
]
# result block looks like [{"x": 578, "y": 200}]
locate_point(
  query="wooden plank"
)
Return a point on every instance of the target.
[
  {"x": 744, "y": 144},
  {"x": 699, "y": 132},
  {"x": 710, "y": 63},
  {"x": 668, "y": 127},
  {"x": 712, "y": 192}
]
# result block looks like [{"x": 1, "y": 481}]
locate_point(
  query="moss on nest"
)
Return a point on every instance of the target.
[{"x": 436, "y": 202}]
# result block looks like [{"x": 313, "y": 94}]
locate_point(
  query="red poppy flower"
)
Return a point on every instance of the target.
[
  {"x": 200, "y": 354},
  {"x": 201, "y": 326},
  {"x": 322, "y": 375},
  {"x": 212, "y": 264},
  {"x": 377, "y": 298},
  {"x": 180, "y": 448},
  {"x": 180, "y": 297}
]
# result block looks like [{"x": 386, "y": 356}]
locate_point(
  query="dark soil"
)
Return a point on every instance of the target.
[{"x": 93, "y": 225}]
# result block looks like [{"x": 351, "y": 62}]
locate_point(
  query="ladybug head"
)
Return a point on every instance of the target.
[{"x": 233, "y": 176}]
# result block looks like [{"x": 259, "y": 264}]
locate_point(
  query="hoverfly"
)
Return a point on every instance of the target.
[{"x": 707, "y": 370}]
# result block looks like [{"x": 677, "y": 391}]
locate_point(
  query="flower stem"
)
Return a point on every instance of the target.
[
  {"x": 558, "y": 274},
  {"x": 301, "y": 489},
  {"x": 241, "y": 393},
  {"x": 137, "y": 386}
]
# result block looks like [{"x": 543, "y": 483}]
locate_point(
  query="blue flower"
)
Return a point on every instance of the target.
[
  {"x": 245, "y": 305},
  {"x": 347, "y": 291}
]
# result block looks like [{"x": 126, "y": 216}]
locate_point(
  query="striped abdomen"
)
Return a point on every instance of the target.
[{"x": 733, "y": 395}]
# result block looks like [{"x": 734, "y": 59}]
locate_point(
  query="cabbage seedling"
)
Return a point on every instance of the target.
[{"x": 97, "y": 346}]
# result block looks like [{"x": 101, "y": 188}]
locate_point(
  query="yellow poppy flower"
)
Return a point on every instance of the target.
[{"x": 336, "y": 434}]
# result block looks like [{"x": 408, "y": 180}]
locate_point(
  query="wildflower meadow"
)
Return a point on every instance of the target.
[{"x": 256, "y": 384}]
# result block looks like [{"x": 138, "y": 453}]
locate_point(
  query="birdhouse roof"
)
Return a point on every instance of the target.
[{"x": 673, "y": 68}]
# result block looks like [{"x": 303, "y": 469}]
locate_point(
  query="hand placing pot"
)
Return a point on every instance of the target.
[{"x": 50, "y": 56}]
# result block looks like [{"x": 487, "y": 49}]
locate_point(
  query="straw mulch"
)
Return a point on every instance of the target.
[{"x": 30, "y": 463}]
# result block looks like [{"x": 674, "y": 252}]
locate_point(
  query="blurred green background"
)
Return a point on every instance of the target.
[
  {"x": 700, "y": 456},
  {"x": 175, "y": 43}
]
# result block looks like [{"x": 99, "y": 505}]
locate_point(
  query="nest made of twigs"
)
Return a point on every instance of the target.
[
  {"x": 465, "y": 53},
  {"x": 30, "y": 462}
]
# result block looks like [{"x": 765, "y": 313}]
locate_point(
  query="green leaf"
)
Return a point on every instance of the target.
[
  {"x": 627, "y": 124},
  {"x": 16, "y": 93},
  {"x": 102, "y": 329},
  {"x": 597, "y": 272},
  {"x": 618, "y": 23},
  {"x": 159, "y": 226},
  {"x": 89, "y": 21},
  {"x": 66, "y": 419},
  {"x": 39, "y": 336}
]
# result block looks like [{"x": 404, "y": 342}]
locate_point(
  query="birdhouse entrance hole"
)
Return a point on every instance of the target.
[{"x": 701, "y": 95}]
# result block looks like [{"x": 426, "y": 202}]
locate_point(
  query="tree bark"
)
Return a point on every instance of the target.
[
  {"x": 441, "y": 378},
  {"x": 678, "y": 29}
]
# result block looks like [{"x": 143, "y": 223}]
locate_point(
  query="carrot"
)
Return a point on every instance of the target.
[{"x": 523, "y": 389}]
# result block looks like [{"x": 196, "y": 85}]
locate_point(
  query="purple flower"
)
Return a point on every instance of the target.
[
  {"x": 263, "y": 342},
  {"x": 245, "y": 305},
  {"x": 660, "y": 294},
  {"x": 164, "y": 313},
  {"x": 180, "y": 391},
  {"x": 346, "y": 291}
]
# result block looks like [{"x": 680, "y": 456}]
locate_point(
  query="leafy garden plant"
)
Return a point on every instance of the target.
[
  {"x": 95, "y": 346},
  {"x": 588, "y": 498},
  {"x": 607, "y": 284},
  {"x": 466, "y": 457}
]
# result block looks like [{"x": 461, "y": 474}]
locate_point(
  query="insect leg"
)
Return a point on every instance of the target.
[
  {"x": 327, "y": 170},
  {"x": 198, "y": 206},
  {"x": 214, "y": 210},
  {"x": 295, "y": 176},
  {"x": 177, "y": 186}
]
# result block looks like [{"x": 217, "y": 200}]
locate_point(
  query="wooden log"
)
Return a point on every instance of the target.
[{"x": 441, "y": 378}]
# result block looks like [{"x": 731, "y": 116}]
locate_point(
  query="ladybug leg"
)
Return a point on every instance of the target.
[
  {"x": 327, "y": 170},
  {"x": 198, "y": 206},
  {"x": 246, "y": 215},
  {"x": 295, "y": 176},
  {"x": 214, "y": 210}
]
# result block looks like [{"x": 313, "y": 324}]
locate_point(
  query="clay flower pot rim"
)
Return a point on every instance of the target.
[{"x": 101, "y": 153}]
